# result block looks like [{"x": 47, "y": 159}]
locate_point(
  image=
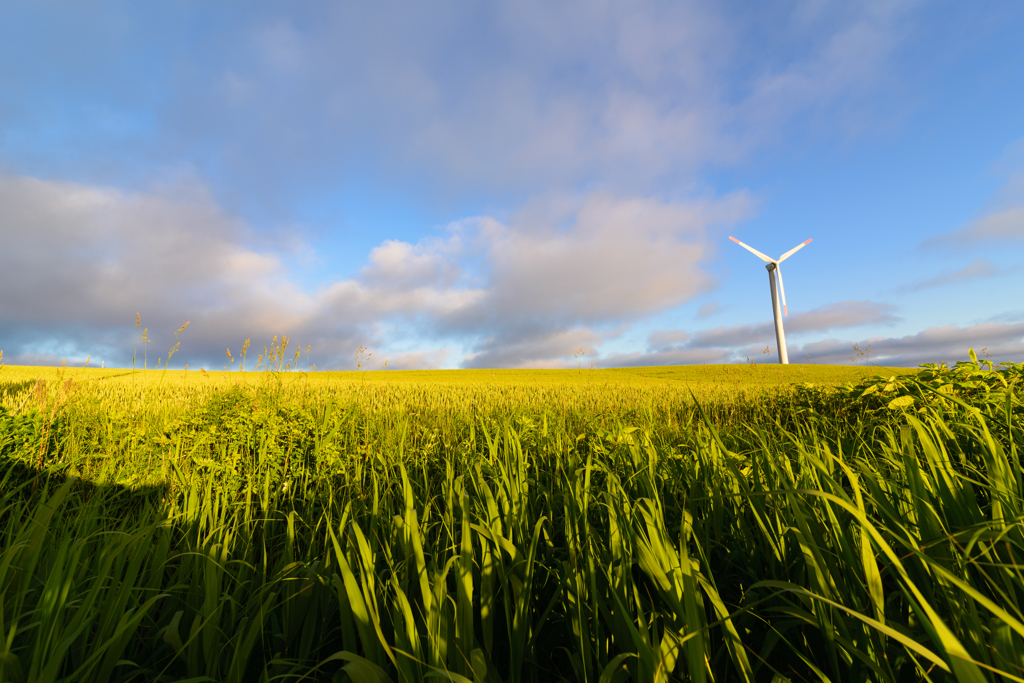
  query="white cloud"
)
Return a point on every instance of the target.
[
  {"x": 842, "y": 314},
  {"x": 978, "y": 268},
  {"x": 81, "y": 261},
  {"x": 411, "y": 360},
  {"x": 85, "y": 254},
  {"x": 709, "y": 309},
  {"x": 402, "y": 265},
  {"x": 621, "y": 258},
  {"x": 1002, "y": 223},
  {"x": 1005, "y": 225},
  {"x": 562, "y": 272}
]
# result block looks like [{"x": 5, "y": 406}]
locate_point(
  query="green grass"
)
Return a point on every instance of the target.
[{"x": 512, "y": 526}]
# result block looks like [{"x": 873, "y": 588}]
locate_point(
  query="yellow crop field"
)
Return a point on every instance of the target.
[
  {"x": 603, "y": 389},
  {"x": 648, "y": 524}
]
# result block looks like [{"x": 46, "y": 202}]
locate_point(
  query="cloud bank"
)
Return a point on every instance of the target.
[
  {"x": 563, "y": 273},
  {"x": 946, "y": 343},
  {"x": 82, "y": 261}
]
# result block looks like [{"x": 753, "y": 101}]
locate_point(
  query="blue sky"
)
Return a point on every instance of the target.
[{"x": 496, "y": 185}]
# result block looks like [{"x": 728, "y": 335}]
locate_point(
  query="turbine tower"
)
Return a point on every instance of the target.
[{"x": 773, "y": 273}]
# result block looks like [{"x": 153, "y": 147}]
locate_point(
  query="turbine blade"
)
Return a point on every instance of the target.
[
  {"x": 753, "y": 251},
  {"x": 782, "y": 291},
  {"x": 793, "y": 251}
]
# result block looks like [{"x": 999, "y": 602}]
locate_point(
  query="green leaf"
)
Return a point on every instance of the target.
[
  {"x": 360, "y": 669},
  {"x": 901, "y": 402},
  {"x": 615, "y": 671}
]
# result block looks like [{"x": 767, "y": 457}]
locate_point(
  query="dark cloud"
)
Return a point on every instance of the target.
[
  {"x": 947, "y": 343},
  {"x": 668, "y": 356},
  {"x": 544, "y": 348},
  {"x": 1001, "y": 342},
  {"x": 666, "y": 339},
  {"x": 821, "y": 319},
  {"x": 735, "y": 342}
]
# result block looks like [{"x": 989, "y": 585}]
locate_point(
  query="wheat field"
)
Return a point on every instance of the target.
[{"x": 748, "y": 522}]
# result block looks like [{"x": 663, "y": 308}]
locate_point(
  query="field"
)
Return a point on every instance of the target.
[{"x": 730, "y": 523}]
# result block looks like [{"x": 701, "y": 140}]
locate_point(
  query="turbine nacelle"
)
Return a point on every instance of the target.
[{"x": 773, "y": 264}]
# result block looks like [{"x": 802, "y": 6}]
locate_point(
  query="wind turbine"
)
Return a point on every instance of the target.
[{"x": 773, "y": 265}]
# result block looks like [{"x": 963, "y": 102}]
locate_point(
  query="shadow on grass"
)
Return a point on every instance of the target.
[
  {"x": 10, "y": 389},
  {"x": 20, "y": 481},
  {"x": 126, "y": 373}
]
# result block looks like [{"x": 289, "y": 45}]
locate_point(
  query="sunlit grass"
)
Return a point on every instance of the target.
[{"x": 718, "y": 523}]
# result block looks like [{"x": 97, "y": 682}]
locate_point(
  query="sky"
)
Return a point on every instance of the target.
[{"x": 510, "y": 184}]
